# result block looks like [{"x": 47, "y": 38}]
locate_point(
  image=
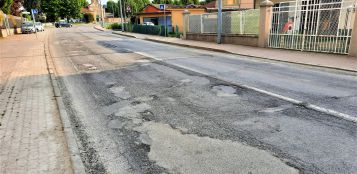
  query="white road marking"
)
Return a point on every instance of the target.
[{"x": 285, "y": 98}]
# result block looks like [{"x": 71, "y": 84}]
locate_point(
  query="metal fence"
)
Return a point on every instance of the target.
[
  {"x": 313, "y": 25},
  {"x": 234, "y": 22}
]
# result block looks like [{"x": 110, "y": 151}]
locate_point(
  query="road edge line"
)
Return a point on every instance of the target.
[{"x": 76, "y": 161}]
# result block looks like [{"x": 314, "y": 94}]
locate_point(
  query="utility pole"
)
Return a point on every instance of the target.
[
  {"x": 124, "y": 9},
  {"x": 165, "y": 20},
  {"x": 101, "y": 12},
  {"x": 219, "y": 23},
  {"x": 121, "y": 15}
]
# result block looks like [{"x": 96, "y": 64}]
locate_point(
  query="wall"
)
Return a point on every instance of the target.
[
  {"x": 177, "y": 16},
  {"x": 4, "y": 32},
  {"x": 249, "y": 40},
  {"x": 112, "y": 20}
]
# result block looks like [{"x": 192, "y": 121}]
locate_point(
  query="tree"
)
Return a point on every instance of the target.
[
  {"x": 15, "y": 8},
  {"x": 55, "y": 9},
  {"x": 5, "y": 6},
  {"x": 51, "y": 8},
  {"x": 32, "y": 4},
  {"x": 83, "y": 3},
  {"x": 162, "y": 2}
]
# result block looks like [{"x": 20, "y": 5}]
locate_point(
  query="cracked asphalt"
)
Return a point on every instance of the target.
[{"x": 135, "y": 114}]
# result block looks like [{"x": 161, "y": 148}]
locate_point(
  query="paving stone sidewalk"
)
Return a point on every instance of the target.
[
  {"x": 336, "y": 61},
  {"x": 31, "y": 135}
]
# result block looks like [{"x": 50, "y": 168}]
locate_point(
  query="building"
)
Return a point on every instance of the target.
[
  {"x": 94, "y": 9},
  {"x": 173, "y": 15}
]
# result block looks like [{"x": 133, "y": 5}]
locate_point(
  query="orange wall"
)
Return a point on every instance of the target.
[{"x": 177, "y": 16}]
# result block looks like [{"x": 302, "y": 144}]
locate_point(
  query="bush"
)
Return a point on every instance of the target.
[
  {"x": 147, "y": 29},
  {"x": 88, "y": 17},
  {"x": 114, "y": 26}
]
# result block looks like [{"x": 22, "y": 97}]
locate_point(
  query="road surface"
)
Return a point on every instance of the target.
[{"x": 143, "y": 107}]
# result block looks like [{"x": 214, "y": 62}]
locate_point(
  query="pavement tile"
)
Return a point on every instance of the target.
[{"x": 29, "y": 130}]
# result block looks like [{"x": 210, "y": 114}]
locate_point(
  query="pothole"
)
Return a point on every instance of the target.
[
  {"x": 275, "y": 109},
  {"x": 189, "y": 153},
  {"x": 120, "y": 92},
  {"x": 147, "y": 115},
  {"x": 116, "y": 124},
  {"x": 224, "y": 91}
]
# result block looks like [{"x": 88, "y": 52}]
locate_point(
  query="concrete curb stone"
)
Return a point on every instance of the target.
[{"x": 77, "y": 164}]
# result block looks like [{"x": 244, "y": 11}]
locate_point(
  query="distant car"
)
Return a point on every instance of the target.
[
  {"x": 28, "y": 28},
  {"x": 39, "y": 26},
  {"x": 63, "y": 24},
  {"x": 148, "y": 23}
]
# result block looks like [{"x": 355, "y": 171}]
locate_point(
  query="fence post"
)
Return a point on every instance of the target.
[
  {"x": 353, "y": 44},
  {"x": 186, "y": 16},
  {"x": 201, "y": 16},
  {"x": 266, "y": 11}
]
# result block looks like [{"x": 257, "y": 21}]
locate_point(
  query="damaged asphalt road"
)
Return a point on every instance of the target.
[{"x": 132, "y": 114}]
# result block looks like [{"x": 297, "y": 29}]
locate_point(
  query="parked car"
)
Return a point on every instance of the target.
[
  {"x": 148, "y": 23},
  {"x": 28, "y": 27},
  {"x": 39, "y": 26},
  {"x": 63, "y": 24}
]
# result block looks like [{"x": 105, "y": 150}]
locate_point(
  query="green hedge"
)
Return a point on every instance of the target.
[{"x": 113, "y": 26}]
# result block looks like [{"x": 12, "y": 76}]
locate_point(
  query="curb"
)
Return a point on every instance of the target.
[
  {"x": 239, "y": 54},
  {"x": 77, "y": 164},
  {"x": 99, "y": 28},
  {"x": 122, "y": 34}
]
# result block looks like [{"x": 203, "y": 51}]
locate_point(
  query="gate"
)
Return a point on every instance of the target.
[{"x": 313, "y": 25}]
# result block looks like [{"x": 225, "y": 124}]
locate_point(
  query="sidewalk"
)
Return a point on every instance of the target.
[
  {"x": 31, "y": 135},
  {"x": 342, "y": 62}
]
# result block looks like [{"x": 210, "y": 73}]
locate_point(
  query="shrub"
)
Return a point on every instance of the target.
[
  {"x": 147, "y": 29},
  {"x": 114, "y": 26},
  {"x": 88, "y": 17}
]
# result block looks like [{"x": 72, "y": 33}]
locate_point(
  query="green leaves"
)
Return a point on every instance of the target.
[
  {"x": 56, "y": 9},
  {"x": 5, "y": 6},
  {"x": 135, "y": 6}
]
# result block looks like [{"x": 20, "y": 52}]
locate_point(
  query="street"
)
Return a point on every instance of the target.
[{"x": 143, "y": 107}]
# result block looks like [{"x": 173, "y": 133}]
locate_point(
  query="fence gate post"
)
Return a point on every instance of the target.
[
  {"x": 353, "y": 44},
  {"x": 186, "y": 15},
  {"x": 266, "y": 11}
]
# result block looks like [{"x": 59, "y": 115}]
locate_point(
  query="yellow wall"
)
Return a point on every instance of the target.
[{"x": 177, "y": 16}]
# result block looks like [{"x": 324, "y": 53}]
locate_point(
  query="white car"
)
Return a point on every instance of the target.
[
  {"x": 148, "y": 23},
  {"x": 39, "y": 26},
  {"x": 28, "y": 27}
]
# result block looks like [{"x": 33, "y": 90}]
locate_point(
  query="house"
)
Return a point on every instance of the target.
[
  {"x": 173, "y": 15},
  {"x": 94, "y": 9}
]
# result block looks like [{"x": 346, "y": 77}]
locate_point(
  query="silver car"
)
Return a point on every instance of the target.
[
  {"x": 39, "y": 26},
  {"x": 28, "y": 28}
]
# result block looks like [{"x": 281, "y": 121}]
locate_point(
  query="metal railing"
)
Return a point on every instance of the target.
[
  {"x": 234, "y": 22},
  {"x": 313, "y": 25}
]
